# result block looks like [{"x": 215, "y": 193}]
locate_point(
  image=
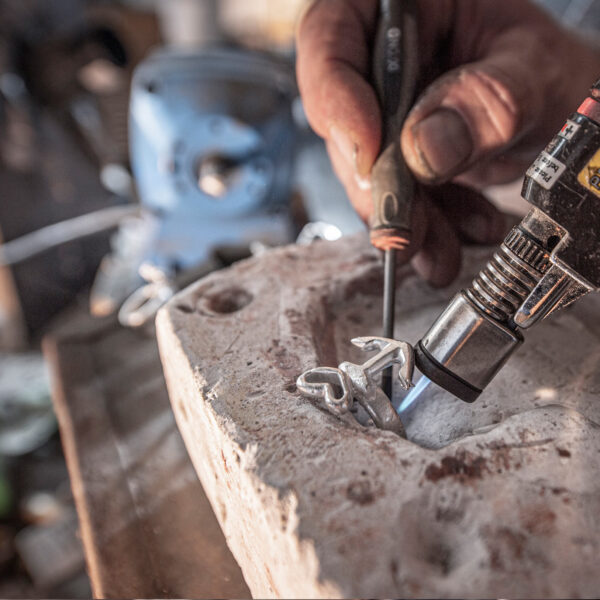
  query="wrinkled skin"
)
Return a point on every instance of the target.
[{"x": 497, "y": 80}]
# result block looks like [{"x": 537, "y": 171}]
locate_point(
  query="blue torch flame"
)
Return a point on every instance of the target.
[{"x": 414, "y": 394}]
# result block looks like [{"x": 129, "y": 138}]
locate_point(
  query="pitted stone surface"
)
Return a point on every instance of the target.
[{"x": 496, "y": 499}]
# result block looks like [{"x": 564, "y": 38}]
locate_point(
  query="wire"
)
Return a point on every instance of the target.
[{"x": 37, "y": 242}]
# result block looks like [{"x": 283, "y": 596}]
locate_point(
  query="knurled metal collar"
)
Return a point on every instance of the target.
[{"x": 528, "y": 250}]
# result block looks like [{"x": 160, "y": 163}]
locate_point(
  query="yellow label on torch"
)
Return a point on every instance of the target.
[{"x": 590, "y": 175}]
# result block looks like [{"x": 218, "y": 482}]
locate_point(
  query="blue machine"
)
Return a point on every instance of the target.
[{"x": 212, "y": 143}]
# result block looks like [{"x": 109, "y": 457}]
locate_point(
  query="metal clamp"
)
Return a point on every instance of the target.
[{"x": 141, "y": 307}]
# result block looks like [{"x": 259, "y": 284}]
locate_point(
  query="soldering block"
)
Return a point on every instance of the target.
[{"x": 496, "y": 499}]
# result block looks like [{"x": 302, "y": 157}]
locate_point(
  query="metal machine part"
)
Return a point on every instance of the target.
[
  {"x": 189, "y": 23},
  {"x": 341, "y": 387},
  {"x": 548, "y": 261},
  {"x": 212, "y": 140}
]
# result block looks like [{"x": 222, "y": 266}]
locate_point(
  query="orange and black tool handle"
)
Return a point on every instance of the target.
[{"x": 395, "y": 70}]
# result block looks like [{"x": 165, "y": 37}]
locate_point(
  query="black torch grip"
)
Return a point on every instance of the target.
[{"x": 395, "y": 69}]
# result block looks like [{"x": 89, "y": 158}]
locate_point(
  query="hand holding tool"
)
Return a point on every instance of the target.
[{"x": 394, "y": 73}]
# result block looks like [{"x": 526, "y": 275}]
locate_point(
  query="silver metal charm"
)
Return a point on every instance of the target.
[
  {"x": 340, "y": 387},
  {"x": 329, "y": 384}
]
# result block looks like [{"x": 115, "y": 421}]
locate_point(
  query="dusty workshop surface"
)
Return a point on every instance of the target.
[
  {"x": 147, "y": 527},
  {"x": 495, "y": 499}
]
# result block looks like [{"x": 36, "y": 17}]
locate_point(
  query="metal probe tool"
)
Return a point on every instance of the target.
[{"x": 395, "y": 70}]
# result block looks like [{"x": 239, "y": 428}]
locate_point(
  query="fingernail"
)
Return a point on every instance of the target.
[
  {"x": 443, "y": 141},
  {"x": 363, "y": 183},
  {"x": 346, "y": 147}
]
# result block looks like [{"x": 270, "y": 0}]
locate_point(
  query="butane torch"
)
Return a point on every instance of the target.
[{"x": 548, "y": 261}]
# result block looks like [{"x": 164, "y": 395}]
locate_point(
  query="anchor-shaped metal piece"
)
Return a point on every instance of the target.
[{"x": 340, "y": 387}]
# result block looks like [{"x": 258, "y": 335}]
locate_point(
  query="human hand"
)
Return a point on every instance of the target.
[{"x": 497, "y": 80}]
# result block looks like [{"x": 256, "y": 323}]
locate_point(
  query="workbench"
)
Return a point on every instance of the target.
[{"x": 147, "y": 527}]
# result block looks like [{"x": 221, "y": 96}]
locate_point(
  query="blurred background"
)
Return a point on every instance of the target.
[{"x": 143, "y": 144}]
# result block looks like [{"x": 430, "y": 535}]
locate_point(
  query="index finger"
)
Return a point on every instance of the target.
[{"x": 333, "y": 64}]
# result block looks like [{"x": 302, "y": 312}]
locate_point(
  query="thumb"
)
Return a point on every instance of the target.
[
  {"x": 481, "y": 109},
  {"x": 464, "y": 117}
]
